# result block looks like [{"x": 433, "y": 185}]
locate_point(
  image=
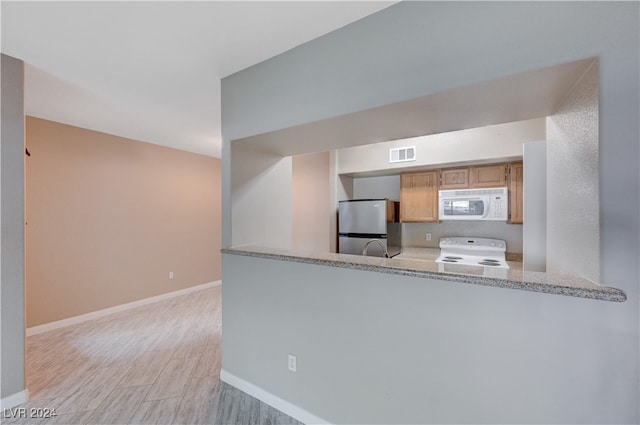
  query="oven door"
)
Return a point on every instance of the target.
[{"x": 463, "y": 208}]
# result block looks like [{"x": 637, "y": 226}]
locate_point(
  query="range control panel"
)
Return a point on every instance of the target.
[{"x": 473, "y": 244}]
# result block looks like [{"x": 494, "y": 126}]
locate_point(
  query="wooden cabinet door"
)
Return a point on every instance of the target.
[
  {"x": 419, "y": 197},
  {"x": 516, "y": 189},
  {"x": 457, "y": 178},
  {"x": 489, "y": 176},
  {"x": 392, "y": 213}
]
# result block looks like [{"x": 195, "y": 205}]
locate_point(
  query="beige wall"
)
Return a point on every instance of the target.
[
  {"x": 109, "y": 218},
  {"x": 312, "y": 207}
]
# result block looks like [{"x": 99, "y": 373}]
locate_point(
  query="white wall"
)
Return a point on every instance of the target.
[
  {"x": 336, "y": 194},
  {"x": 534, "y": 227},
  {"x": 550, "y": 359},
  {"x": 262, "y": 193},
  {"x": 493, "y": 143},
  {"x": 573, "y": 201}
]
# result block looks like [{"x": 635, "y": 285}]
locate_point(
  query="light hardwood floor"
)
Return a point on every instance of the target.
[{"x": 155, "y": 364}]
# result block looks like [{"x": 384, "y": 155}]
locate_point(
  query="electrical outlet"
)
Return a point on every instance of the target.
[
  {"x": 170, "y": 275},
  {"x": 428, "y": 236},
  {"x": 292, "y": 363}
]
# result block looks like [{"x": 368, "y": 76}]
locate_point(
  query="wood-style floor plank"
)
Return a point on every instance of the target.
[
  {"x": 208, "y": 364},
  {"x": 61, "y": 383},
  {"x": 200, "y": 402},
  {"x": 146, "y": 369},
  {"x": 173, "y": 379},
  {"x": 155, "y": 364},
  {"x": 156, "y": 412},
  {"x": 94, "y": 390},
  {"x": 80, "y": 418},
  {"x": 120, "y": 406}
]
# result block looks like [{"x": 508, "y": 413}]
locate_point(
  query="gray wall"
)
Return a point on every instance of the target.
[
  {"x": 374, "y": 348},
  {"x": 569, "y": 360},
  {"x": 377, "y": 187},
  {"x": 12, "y": 223},
  {"x": 414, "y": 234},
  {"x": 572, "y": 182}
]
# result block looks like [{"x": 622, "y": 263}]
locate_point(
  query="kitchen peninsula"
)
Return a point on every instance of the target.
[
  {"x": 420, "y": 262},
  {"x": 382, "y": 342}
]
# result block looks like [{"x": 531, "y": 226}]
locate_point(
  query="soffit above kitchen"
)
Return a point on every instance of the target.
[
  {"x": 151, "y": 71},
  {"x": 524, "y": 96}
]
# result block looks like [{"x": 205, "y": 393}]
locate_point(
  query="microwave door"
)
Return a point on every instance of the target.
[
  {"x": 464, "y": 208},
  {"x": 486, "y": 206},
  {"x": 476, "y": 208}
]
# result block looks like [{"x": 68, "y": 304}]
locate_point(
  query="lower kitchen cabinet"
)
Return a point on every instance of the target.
[
  {"x": 419, "y": 197},
  {"x": 516, "y": 189}
]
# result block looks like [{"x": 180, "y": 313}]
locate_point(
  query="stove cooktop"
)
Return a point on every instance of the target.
[{"x": 470, "y": 251}]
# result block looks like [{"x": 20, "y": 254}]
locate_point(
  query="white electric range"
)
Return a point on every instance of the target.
[{"x": 470, "y": 251}]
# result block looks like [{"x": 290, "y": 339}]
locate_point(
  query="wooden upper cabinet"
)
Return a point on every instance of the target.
[
  {"x": 419, "y": 197},
  {"x": 488, "y": 176},
  {"x": 419, "y": 190},
  {"x": 474, "y": 177},
  {"x": 516, "y": 189},
  {"x": 455, "y": 178},
  {"x": 392, "y": 211}
]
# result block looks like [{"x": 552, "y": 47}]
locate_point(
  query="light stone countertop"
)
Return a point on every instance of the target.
[{"x": 420, "y": 262}]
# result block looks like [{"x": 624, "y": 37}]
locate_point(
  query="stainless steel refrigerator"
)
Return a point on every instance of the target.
[{"x": 361, "y": 221}]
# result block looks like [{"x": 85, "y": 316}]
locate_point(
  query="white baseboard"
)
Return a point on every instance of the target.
[
  {"x": 270, "y": 399},
  {"x": 115, "y": 309},
  {"x": 14, "y": 400}
]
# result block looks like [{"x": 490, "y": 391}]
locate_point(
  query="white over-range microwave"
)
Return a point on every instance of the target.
[{"x": 473, "y": 204}]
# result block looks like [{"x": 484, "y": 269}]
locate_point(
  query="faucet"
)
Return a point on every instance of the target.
[{"x": 384, "y": 250}]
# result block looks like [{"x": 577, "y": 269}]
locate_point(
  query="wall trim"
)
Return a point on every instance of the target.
[
  {"x": 272, "y": 400},
  {"x": 115, "y": 309},
  {"x": 14, "y": 400}
]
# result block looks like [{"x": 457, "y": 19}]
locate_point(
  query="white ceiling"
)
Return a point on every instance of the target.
[{"x": 151, "y": 70}]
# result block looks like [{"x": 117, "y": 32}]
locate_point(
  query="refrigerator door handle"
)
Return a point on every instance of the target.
[{"x": 364, "y": 235}]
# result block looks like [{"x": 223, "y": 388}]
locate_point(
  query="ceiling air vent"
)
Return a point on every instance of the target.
[{"x": 402, "y": 154}]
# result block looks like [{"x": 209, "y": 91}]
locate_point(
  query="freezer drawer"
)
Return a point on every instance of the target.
[
  {"x": 355, "y": 246},
  {"x": 351, "y": 245}
]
